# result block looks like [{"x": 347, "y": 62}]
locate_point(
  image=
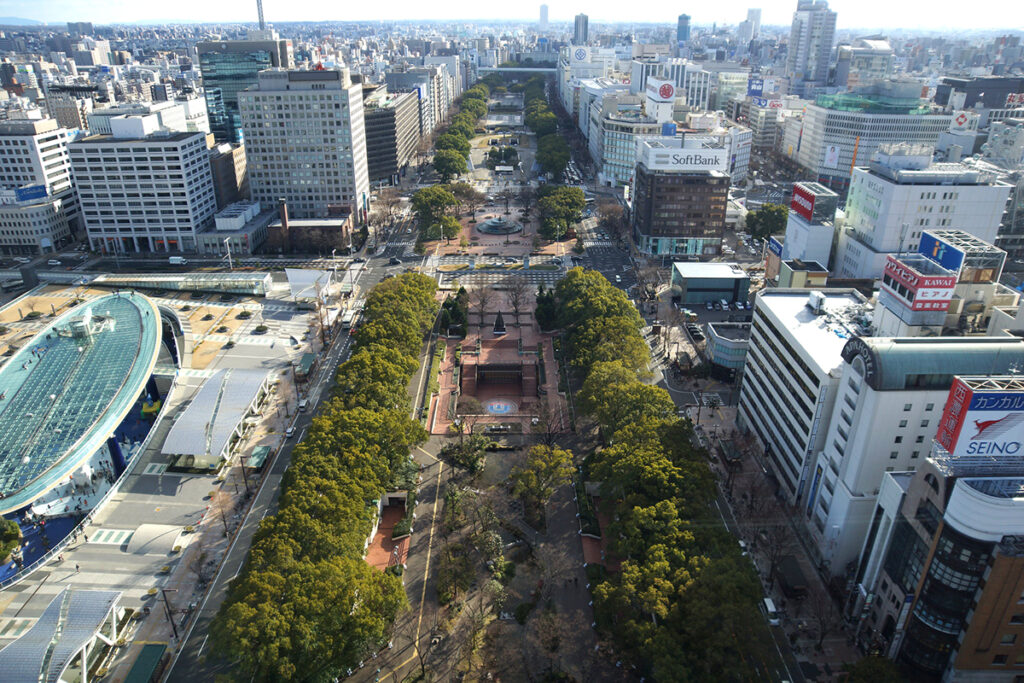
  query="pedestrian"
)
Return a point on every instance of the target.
[{"x": 78, "y": 568}]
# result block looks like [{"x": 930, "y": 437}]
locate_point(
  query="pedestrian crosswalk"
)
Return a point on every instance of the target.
[
  {"x": 13, "y": 628},
  {"x": 155, "y": 468},
  {"x": 111, "y": 536}
]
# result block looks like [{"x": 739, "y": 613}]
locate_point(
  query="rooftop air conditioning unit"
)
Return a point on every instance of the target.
[{"x": 816, "y": 301}]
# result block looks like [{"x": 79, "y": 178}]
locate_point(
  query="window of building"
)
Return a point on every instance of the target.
[
  {"x": 1017, "y": 619},
  {"x": 999, "y": 660},
  {"x": 903, "y": 423},
  {"x": 907, "y": 407},
  {"x": 893, "y": 455},
  {"x": 899, "y": 439},
  {"x": 919, "y": 439},
  {"x": 1008, "y": 639},
  {"x": 915, "y": 454},
  {"x": 930, "y": 406}
]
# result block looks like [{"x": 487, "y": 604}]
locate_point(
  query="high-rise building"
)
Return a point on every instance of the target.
[
  {"x": 230, "y": 174},
  {"x": 810, "y": 46},
  {"x": 143, "y": 189},
  {"x": 543, "y": 25},
  {"x": 36, "y": 153},
  {"x": 754, "y": 17},
  {"x": 680, "y": 192},
  {"x": 229, "y": 67},
  {"x": 616, "y": 123},
  {"x": 318, "y": 117},
  {"x": 580, "y": 33},
  {"x": 840, "y": 131},
  {"x": 392, "y": 133},
  {"x": 810, "y": 225},
  {"x": 683, "y": 28},
  {"x": 80, "y": 28},
  {"x": 900, "y": 194},
  {"x": 33, "y": 225}
]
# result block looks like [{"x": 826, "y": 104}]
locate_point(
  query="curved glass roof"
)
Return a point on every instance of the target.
[{"x": 66, "y": 391}]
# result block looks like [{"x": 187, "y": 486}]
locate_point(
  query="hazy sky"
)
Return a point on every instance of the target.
[{"x": 931, "y": 14}]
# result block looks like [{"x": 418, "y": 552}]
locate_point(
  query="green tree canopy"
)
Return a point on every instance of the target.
[
  {"x": 453, "y": 141},
  {"x": 430, "y": 203},
  {"x": 449, "y": 164},
  {"x": 553, "y": 154},
  {"x": 559, "y": 208},
  {"x": 769, "y": 220}
]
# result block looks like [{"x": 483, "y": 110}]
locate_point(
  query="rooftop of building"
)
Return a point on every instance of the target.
[
  {"x": 159, "y": 136},
  {"x": 843, "y": 314},
  {"x": 922, "y": 265},
  {"x": 717, "y": 270},
  {"x": 733, "y": 331},
  {"x": 798, "y": 265},
  {"x": 62, "y": 394},
  {"x": 874, "y": 103},
  {"x": 966, "y": 242},
  {"x": 898, "y": 364}
]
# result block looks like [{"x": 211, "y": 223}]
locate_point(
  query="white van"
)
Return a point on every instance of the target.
[
  {"x": 177, "y": 261},
  {"x": 771, "y": 612},
  {"x": 303, "y": 404}
]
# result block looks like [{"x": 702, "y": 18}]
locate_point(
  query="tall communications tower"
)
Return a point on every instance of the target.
[{"x": 259, "y": 8}]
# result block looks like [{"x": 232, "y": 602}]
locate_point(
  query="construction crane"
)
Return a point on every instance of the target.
[{"x": 259, "y": 8}]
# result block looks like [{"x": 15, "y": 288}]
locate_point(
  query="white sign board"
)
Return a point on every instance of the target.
[
  {"x": 688, "y": 160},
  {"x": 831, "y": 156},
  {"x": 659, "y": 90}
]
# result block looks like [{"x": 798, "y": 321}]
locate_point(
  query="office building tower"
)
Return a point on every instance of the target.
[
  {"x": 790, "y": 381},
  {"x": 143, "y": 189},
  {"x": 229, "y": 67},
  {"x": 810, "y": 46},
  {"x": 392, "y": 132},
  {"x": 69, "y": 111},
  {"x": 230, "y": 171},
  {"x": 939, "y": 581},
  {"x": 431, "y": 85},
  {"x": 616, "y": 123},
  {"x": 841, "y": 131},
  {"x": 32, "y": 225},
  {"x": 754, "y": 17},
  {"x": 580, "y": 33},
  {"x": 900, "y": 194},
  {"x": 317, "y": 116},
  {"x": 80, "y": 28},
  {"x": 543, "y": 25},
  {"x": 35, "y": 153},
  {"x": 680, "y": 191},
  {"x": 683, "y": 29}
]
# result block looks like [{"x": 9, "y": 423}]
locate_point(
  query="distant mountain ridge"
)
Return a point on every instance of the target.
[{"x": 19, "y": 21}]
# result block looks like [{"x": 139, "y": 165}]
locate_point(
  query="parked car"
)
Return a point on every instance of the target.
[
  {"x": 288, "y": 433},
  {"x": 395, "y": 261},
  {"x": 710, "y": 306},
  {"x": 53, "y": 262}
]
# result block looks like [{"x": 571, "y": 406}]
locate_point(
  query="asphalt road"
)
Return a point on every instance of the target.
[{"x": 187, "y": 666}]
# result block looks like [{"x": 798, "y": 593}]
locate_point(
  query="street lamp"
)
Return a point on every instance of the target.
[{"x": 167, "y": 608}]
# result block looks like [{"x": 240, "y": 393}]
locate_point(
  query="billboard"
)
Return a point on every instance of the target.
[
  {"x": 581, "y": 54},
  {"x": 802, "y": 203},
  {"x": 775, "y": 246},
  {"x": 755, "y": 86},
  {"x": 831, "y": 156},
  {"x": 759, "y": 101},
  {"x": 660, "y": 91},
  {"x": 940, "y": 251},
  {"x": 963, "y": 121},
  {"x": 28, "y": 192},
  {"x": 982, "y": 422},
  {"x": 924, "y": 292},
  {"x": 1014, "y": 98}
]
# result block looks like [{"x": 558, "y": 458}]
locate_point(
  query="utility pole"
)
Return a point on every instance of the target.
[{"x": 167, "y": 608}]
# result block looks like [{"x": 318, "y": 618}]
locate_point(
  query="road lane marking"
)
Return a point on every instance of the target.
[{"x": 430, "y": 545}]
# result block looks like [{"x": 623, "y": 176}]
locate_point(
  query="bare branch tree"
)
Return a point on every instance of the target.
[
  {"x": 518, "y": 294},
  {"x": 388, "y": 202},
  {"x": 480, "y": 298}
]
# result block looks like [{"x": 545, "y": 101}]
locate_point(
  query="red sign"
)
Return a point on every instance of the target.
[
  {"x": 802, "y": 203},
  {"x": 666, "y": 90},
  {"x": 953, "y": 414},
  {"x": 924, "y": 292},
  {"x": 899, "y": 272},
  {"x": 1014, "y": 98}
]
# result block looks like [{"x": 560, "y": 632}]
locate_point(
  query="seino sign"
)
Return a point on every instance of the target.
[{"x": 982, "y": 422}]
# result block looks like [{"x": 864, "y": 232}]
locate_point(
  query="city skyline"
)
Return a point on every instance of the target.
[{"x": 986, "y": 15}]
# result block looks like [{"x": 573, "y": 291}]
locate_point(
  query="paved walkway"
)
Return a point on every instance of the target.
[{"x": 384, "y": 551}]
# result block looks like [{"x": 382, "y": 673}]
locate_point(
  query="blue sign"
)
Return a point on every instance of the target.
[
  {"x": 28, "y": 192},
  {"x": 775, "y": 246},
  {"x": 581, "y": 54},
  {"x": 668, "y": 129},
  {"x": 940, "y": 251},
  {"x": 755, "y": 87},
  {"x": 759, "y": 101}
]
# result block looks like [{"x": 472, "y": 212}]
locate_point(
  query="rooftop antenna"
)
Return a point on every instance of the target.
[{"x": 259, "y": 8}]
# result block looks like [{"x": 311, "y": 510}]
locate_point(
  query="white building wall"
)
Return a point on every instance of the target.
[{"x": 807, "y": 241}]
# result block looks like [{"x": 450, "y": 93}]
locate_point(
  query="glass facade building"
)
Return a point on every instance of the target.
[{"x": 229, "y": 67}]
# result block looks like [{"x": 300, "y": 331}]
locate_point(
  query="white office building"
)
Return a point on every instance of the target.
[
  {"x": 841, "y": 131},
  {"x": 142, "y": 189},
  {"x": 810, "y": 225},
  {"x": 900, "y": 194},
  {"x": 794, "y": 365},
  {"x": 32, "y": 226},
  {"x": 577, "y": 64},
  {"x": 180, "y": 116},
  {"x": 305, "y": 142},
  {"x": 35, "y": 152},
  {"x": 886, "y": 412}
]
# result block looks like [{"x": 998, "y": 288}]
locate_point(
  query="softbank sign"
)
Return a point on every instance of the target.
[{"x": 690, "y": 160}]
